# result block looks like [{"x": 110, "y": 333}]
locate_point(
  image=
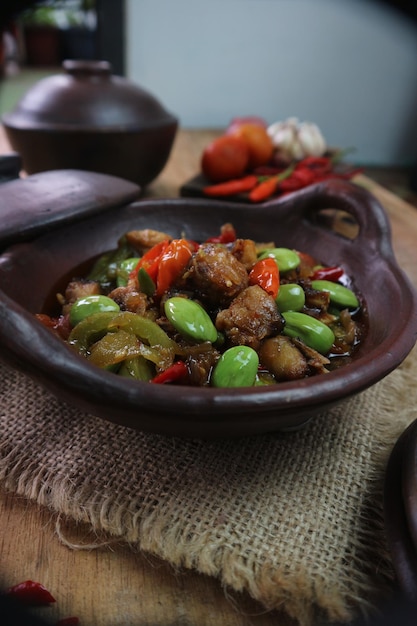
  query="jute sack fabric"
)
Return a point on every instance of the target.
[{"x": 295, "y": 519}]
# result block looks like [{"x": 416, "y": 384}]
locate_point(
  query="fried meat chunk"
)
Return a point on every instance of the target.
[
  {"x": 251, "y": 317},
  {"x": 78, "y": 288},
  {"x": 216, "y": 274}
]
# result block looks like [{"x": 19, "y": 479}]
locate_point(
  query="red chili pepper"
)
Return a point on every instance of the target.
[
  {"x": 269, "y": 186},
  {"x": 30, "y": 593},
  {"x": 172, "y": 263},
  {"x": 264, "y": 190},
  {"x": 177, "y": 372},
  {"x": 227, "y": 235},
  {"x": 231, "y": 187},
  {"x": 265, "y": 273},
  {"x": 299, "y": 178},
  {"x": 68, "y": 621},
  {"x": 328, "y": 273},
  {"x": 150, "y": 260},
  {"x": 341, "y": 175},
  {"x": 322, "y": 164}
]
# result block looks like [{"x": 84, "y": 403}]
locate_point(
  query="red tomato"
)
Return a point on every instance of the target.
[
  {"x": 248, "y": 119},
  {"x": 224, "y": 158},
  {"x": 259, "y": 142}
]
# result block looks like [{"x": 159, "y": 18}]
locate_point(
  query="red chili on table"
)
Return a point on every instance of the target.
[
  {"x": 231, "y": 187},
  {"x": 267, "y": 187},
  {"x": 30, "y": 593},
  {"x": 264, "y": 190}
]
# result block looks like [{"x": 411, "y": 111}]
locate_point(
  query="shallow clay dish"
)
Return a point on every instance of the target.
[
  {"x": 402, "y": 548},
  {"x": 88, "y": 119},
  {"x": 409, "y": 482},
  {"x": 303, "y": 220}
]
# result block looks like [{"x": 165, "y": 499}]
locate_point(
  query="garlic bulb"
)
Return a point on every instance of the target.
[{"x": 296, "y": 140}]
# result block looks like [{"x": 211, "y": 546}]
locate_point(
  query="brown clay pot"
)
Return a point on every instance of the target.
[{"x": 88, "y": 119}]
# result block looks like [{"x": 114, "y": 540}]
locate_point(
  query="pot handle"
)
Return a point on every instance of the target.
[
  {"x": 373, "y": 225},
  {"x": 41, "y": 202}
]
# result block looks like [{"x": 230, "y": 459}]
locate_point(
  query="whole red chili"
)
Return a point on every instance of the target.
[
  {"x": 30, "y": 593},
  {"x": 318, "y": 164},
  {"x": 231, "y": 187},
  {"x": 301, "y": 177},
  {"x": 328, "y": 273},
  {"x": 266, "y": 188},
  {"x": 172, "y": 263},
  {"x": 177, "y": 372},
  {"x": 265, "y": 273},
  {"x": 151, "y": 258}
]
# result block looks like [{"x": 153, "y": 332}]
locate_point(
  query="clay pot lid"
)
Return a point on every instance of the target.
[{"x": 87, "y": 96}]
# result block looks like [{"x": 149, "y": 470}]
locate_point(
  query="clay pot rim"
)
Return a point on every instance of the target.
[{"x": 12, "y": 121}]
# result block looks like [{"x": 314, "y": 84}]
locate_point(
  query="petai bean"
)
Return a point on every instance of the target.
[
  {"x": 312, "y": 331},
  {"x": 291, "y": 297},
  {"x": 237, "y": 367},
  {"x": 89, "y": 305},
  {"x": 286, "y": 259},
  {"x": 190, "y": 319},
  {"x": 340, "y": 295}
]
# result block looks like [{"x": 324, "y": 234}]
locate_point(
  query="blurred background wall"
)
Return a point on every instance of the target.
[{"x": 350, "y": 66}]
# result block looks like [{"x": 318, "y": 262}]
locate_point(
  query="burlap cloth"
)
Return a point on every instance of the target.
[{"x": 295, "y": 519}]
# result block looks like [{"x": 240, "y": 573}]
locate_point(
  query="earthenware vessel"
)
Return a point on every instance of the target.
[{"x": 87, "y": 118}]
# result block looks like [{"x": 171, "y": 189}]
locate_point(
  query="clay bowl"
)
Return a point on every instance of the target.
[
  {"x": 308, "y": 220},
  {"x": 88, "y": 119}
]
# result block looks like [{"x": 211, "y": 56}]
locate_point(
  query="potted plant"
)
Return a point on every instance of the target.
[{"x": 41, "y": 35}]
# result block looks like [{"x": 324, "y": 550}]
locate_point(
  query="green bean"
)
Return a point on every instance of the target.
[
  {"x": 312, "y": 331},
  {"x": 286, "y": 259},
  {"x": 123, "y": 270},
  {"x": 88, "y": 305},
  {"x": 291, "y": 297},
  {"x": 146, "y": 284},
  {"x": 104, "y": 269},
  {"x": 237, "y": 367},
  {"x": 340, "y": 295},
  {"x": 190, "y": 319}
]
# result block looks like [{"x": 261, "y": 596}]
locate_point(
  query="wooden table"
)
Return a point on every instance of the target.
[{"x": 116, "y": 586}]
